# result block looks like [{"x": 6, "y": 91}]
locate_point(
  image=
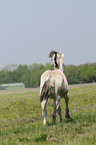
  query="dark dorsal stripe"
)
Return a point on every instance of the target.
[{"x": 55, "y": 59}]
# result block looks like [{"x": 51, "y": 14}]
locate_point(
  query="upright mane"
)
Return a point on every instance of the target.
[{"x": 52, "y": 53}]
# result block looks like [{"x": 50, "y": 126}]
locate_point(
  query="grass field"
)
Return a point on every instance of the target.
[{"x": 21, "y": 118}]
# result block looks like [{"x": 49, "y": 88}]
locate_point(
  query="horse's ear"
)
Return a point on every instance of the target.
[
  {"x": 52, "y": 53},
  {"x": 62, "y": 55}
]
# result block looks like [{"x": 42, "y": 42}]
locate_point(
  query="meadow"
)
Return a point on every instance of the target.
[{"x": 21, "y": 118}]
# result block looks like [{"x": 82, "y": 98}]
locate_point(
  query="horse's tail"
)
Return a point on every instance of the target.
[{"x": 48, "y": 89}]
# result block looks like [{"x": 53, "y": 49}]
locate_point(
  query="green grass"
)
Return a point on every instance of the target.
[{"x": 21, "y": 118}]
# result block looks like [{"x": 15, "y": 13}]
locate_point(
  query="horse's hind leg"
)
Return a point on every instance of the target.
[
  {"x": 58, "y": 109},
  {"x": 54, "y": 112},
  {"x": 67, "y": 109},
  {"x": 44, "y": 111}
]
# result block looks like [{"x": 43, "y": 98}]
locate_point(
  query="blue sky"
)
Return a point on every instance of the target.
[{"x": 30, "y": 29}]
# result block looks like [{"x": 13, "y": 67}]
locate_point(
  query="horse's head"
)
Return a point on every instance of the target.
[{"x": 57, "y": 59}]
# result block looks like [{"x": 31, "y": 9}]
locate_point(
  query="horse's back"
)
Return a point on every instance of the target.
[{"x": 55, "y": 78}]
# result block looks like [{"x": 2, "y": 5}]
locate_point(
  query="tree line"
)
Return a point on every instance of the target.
[{"x": 30, "y": 75}]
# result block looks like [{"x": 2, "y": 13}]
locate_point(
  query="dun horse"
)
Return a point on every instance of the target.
[{"x": 54, "y": 85}]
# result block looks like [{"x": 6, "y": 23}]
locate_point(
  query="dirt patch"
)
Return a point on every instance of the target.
[
  {"x": 52, "y": 139},
  {"x": 34, "y": 119},
  {"x": 79, "y": 109}
]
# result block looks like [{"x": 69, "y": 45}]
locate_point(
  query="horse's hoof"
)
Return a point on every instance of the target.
[
  {"x": 60, "y": 120},
  {"x": 67, "y": 115}
]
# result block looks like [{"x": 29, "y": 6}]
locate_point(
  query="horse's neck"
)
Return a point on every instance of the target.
[{"x": 60, "y": 67}]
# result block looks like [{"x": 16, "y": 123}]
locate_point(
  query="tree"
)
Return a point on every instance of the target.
[{"x": 30, "y": 75}]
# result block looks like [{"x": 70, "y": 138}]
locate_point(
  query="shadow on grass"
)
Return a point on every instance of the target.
[
  {"x": 66, "y": 120},
  {"x": 43, "y": 137}
]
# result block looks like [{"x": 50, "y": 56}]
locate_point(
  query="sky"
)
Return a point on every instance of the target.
[{"x": 30, "y": 29}]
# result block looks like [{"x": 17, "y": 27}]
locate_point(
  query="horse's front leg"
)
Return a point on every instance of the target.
[
  {"x": 44, "y": 111},
  {"x": 54, "y": 112},
  {"x": 67, "y": 115}
]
